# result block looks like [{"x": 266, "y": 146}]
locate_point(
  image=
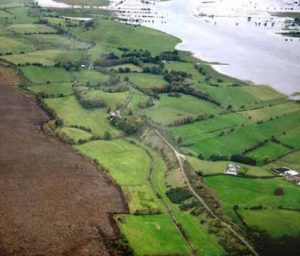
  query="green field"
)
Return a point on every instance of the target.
[
  {"x": 290, "y": 161},
  {"x": 53, "y": 89},
  {"x": 58, "y": 62},
  {"x": 18, "y": 15},
  {"x": 91, "y": 77},
  {"x": 57, "y": 41},
  {"x": 276, "y": 222},
  {"x": 197, "y": 131},
  {"x": 44, "y": 57},
  {"x": 270, "y": 112},
  {"x": 152, "y": 237},
  {"x": 110, "y": 35},
  {"x": 75, "y": 134},
  {"x": 208, "y": 168},
  {"x": 31, "y": 28},
  {"x": 142, "y": 197},
  {"x": 72, "y": 113},
  {"x": 42, "y": 75},
  {"x": 127, "y": 163},
  {"x": 131, "y": 67},
  {"x": 143, "y": 80},
  {"x": 112, "y": 99},
  {"x": 168, "y": 109},
  {"x": 247, "y": 192},
  {"x": 230, "y": 142},
  {"x": 268, "y": 152},
  {"x": 15, "y": 45}
]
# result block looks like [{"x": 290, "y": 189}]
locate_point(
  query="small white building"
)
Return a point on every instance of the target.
[
  {"x": 114, "y": 114},
  {"x": 232, "y": 169},
  {"x": 290, "y": 174}
]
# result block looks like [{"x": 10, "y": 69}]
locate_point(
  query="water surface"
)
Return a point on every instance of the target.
[{"x": 239, "y": 33}]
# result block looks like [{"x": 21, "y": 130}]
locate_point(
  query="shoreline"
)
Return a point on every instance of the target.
[{"x": 222, "y": 67}]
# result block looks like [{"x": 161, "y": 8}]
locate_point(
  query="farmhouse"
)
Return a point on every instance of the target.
[
  {"x": 289, "y": 174},
  {"x": 282, "y": 170},
  {"x": 114, "y": 114},
  {"x": 232, "y": 169}
]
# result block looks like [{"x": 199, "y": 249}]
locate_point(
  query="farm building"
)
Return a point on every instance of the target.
[
  {"x": 281, "y": 170},
  {"x": 232, "y": 169},
  {"x": 289, "y": 174},
  {"x": 114, "y": 114}
]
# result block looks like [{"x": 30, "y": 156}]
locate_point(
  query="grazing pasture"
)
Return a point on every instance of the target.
[
  {"x": 272, "y": 111},
  {"x": 75, "y": 134},
  {"x": 147, "y": 235},
  {"x": 90, "y": 77},
  {"x": 110, "y": 35},
  {"x": 268, "y": 152},
  {"x": 209, "y": 168},
  {"x": 168, "y": 109},
  {"x": 291, "y": 161},
  {"x": 277, "y": 223},
  {"x": 30, "y": 28},
  {"x": 72, "y": 113},
  {"x": 125, "y": 162},
  {"x": 55, "y": 89},
  {"x": 249, "y": 192},
  {"x": 15, "y": 45},
  {"x": 52, "y": 41},
  {"x": 42, "y": 75},
  {"x": 44, "y": 57},
  {"x": 144, "y": 81}
]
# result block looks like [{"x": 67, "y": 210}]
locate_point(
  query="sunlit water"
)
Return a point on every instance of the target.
[
  {"x": 239, "y": 33},
  {"x": 221, "y": 31}
]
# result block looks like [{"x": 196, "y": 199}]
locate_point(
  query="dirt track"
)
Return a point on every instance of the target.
[{"x": 52, "y": 200}]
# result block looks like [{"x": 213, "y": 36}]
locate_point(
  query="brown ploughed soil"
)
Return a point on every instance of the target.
[{"x": 52, "y": 200}]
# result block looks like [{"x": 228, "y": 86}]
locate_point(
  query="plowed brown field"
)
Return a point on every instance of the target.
[{"x": 52, "y": 200}]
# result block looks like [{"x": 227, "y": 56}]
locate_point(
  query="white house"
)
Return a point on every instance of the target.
[{"x": 232, "y": 169}]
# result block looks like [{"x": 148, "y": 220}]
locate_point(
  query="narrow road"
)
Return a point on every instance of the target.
[
  {"x": 160, "y": 197},
  {"x": 180, "y": 159}
]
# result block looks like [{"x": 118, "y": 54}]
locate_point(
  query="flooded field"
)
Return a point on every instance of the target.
[{"x": 243, "y": 35}]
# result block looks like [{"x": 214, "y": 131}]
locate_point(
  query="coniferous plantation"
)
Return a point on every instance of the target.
[{"x": 115, "y": 142}]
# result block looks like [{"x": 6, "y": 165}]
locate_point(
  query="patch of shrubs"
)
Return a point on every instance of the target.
[
  {"x": 130, "y": 125},
  {"x": 150, "y": 102},
  {"x": 178, "y": 195},
  {"x": 88, "y": 103},
  {"x": 243, "y": 159},
  {"x": 278, "y": 191}
]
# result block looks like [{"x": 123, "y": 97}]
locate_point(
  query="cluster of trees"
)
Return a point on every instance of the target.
[
  {"x": 170, "y": 56},
  {"x": 243, "y": 159},
  {"x": 182, "y": 88},
  {"x": 150, "y": 102},
  {"x": 130, "y": 125},
  {"x": 179, "y": 194},
  {"x": 176, "y": 77},
  {"x": 88, "y": 103},
  {"x": 68, "y": 65},
  {"x": 89, "y": 25},
  {"x": 136, "y": 57},
  {"x": 156, "y": 70},
  {"x": 135, "y": 53},
  {"x": 190, "y": 119},
  {"x": 235, "y": 158},
  {"x": 258, "y": 145},
  {"x": 147, "y": 211}
]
